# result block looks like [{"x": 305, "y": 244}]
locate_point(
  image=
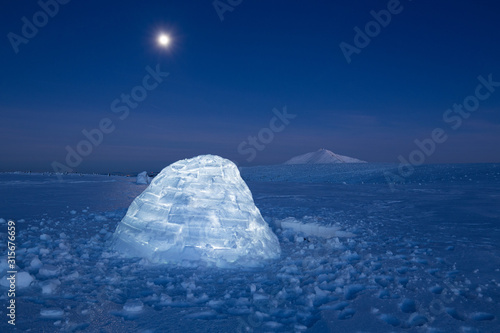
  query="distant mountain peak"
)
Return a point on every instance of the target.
[{"x": 322, "y": 156}]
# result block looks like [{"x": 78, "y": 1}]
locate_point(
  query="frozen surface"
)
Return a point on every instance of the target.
[
  {"x": 311, "y": 227},
  {"x": 422, "y": 258},
  {"x": 142, "y": 178},
  {"x": 322, "y": 156},
  {"x": 197, "y": 209}
]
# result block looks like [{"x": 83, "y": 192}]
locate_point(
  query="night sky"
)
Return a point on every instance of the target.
[{"x": 225, "y": 77}]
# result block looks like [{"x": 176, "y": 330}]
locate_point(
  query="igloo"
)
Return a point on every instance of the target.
[{"x": 197, "y": 209}]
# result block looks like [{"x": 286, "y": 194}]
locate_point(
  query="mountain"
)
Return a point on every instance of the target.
[{"x": 322, "y": 156}]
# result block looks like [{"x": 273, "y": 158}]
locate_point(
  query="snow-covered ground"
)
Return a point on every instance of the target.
[{"x": 355, "y": 256}]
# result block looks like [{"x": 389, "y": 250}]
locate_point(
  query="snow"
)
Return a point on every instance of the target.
[
  {"x": 133, "y": 306},
  {"x": 48, "y": 271},
  {"x": 23, "y": 279},
  {"x": 322, "y": 156},
  {"x": 142, "y": 178},
  {"x": 197, "y": 209},
  {"x": 422, "y": 258},
  {"x": 49, "y": 286},
  {"x": 312, "y": 228},
  {"x": 53, "y": 313}
]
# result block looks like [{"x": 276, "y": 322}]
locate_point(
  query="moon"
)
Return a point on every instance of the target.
[{"x": 164, "y": 40}]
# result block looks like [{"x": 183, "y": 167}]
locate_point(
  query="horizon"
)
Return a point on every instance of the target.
[
  {"x": 133, "y": 173},
  {"x": 255, "y": 84}
]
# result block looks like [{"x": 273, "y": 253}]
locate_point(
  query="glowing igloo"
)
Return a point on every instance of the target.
[{"x": 197, "y": 209}]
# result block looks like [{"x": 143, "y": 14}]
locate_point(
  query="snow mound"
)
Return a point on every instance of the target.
[
  {"x": 197, "y": 209},
  {"x": 322, "y": 156},
  {"x": 313, "y": 229},
  {"x": 142, "y": 178}
]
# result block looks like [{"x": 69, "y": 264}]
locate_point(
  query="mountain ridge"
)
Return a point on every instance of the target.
[{"x": 322, "y": 156}]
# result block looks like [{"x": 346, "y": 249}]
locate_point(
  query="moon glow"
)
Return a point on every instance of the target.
[{"x": 163, "y": 40}]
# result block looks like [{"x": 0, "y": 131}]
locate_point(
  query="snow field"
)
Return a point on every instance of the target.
[
  {"x": 380, "y": 260},
  {"x": 315, "y": 277}
]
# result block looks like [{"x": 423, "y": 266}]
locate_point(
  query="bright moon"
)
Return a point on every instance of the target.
[{"x": 163, "y": 40}]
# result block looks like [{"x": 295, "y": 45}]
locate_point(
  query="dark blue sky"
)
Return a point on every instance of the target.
[{"x": 225, "y": 78}]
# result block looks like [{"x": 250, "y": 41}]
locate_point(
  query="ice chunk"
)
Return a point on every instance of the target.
[
  {"x": 313, "y": 229},
  {"x": 142, "y": 178},
  {"x": 4, "y": 265},
  {"x": 197, "y": 209},
  {"x": 36, "y": 263},
  {"x": 133, "y": 306},
  {"x": 100, "y": 218},
  {"x": 49, "y": 271},
  {"x": 22, "y": 280},
  {"x": 49, "y": 286},
  {"x": 52, "y": 312}
]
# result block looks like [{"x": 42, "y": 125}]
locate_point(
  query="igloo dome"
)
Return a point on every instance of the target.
[{"x": 197, "y": 209}]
